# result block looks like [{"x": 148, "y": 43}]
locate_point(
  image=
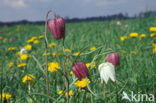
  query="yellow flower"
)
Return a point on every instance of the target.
[
  {"x": 89, "y": 65},
  {"x": 29, "y": 78},
  {"x": 142, "y": 36},
  {"x": 152, "y": 34},
  {"x": 44, "y": 54},
  {"x": 52, "y": 45},
  {"x": 11, "y": 48},
  {"x": 10, "y": 64},
  {"x": 92, "y": 48},
  {"x": 67, "y": 50},
  {"x": 5, "y": 96},
  {"x": 153, "y": 29},
  {"x": 133, "y": 52},
  {"x": 82, "y": 83},
  {"x": 54, "y": 54},
  {"x": 71, "y": 72},
  {"x": 40, "y": 37},
  {"x": 30, "y": 41},
  {"x": 133, "y": 35},
  {"x": 23, "y": 57},
  {"x": 19, "y": 53},
  {"x": 154, "y": 50},
  {"x": 122, "y": 38},
  {"x": 22, "y": 65},
  {"x": 60, "y": 92},
  {"x": 154, "y": 44},
  {"x": 5, "y": 40},
  {"x": 34, "y": 37},
  {"x": 53, "y": 66},
  {"x": 77, "y": 53},
  {"x": 70, "y": 92},
  {"x": 36, "y": 41},
  {"x": 28, "y": 47}
]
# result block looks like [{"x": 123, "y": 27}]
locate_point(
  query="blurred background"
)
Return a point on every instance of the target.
[{"x": 35, "y": 10}]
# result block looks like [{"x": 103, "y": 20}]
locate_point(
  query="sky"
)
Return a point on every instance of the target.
[{"x": 35, "y": 10}]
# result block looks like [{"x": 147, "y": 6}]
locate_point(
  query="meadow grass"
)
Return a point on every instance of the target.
[{"x": 136, "y": 72}]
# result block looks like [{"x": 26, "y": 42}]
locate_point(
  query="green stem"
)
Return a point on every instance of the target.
[
  {"x": 46, "y": 51},
  {"x": 90, "y": 89}
]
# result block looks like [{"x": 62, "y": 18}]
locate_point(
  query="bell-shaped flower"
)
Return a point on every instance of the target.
[
  {"x": 80, "y": 70},
  {"x": 107, "y": 72},
  {"x": 23, "y": 50},
  {"x": 114, "y": 58},
  {"x": 57, "y": 27}
]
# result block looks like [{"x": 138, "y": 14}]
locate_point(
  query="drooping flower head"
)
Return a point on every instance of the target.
[
  {"x": 57, "y": 27},
  {"x": 80, "y": 70},
  {"x": 107, "y": 72},
  {"x": 114, "y": 58}
]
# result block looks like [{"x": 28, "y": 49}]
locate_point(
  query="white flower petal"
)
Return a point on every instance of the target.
[{"x": 107, "y": 71}]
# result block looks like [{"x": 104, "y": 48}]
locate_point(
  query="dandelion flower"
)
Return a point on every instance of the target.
[
  {"x": 60, "y": 92},
  {"x": 22, "y": 65},
  {"x": 71, "y": 72},
  {"x": 77, "y": 53},
  {"x": 23, "y": 57},
  {"x": 154, "y": 50},
  {"x": 52, "y": 45},
  {"x": 107, "y": 72},
  {"x": 93, "y": 48},
  {"x": 90, "y": 65},
  {"x": 28, "y": 78},
  {"x": 154, "y": 44},
  {"x": 122, "y": 38},
  {"x": 70, "y": 92},
  {"x": 28, "y": 47},
  {"x": 34, "y": 37},
  {"x": 142, "y": 36},
  {"x": 30, "y": 41},
  {"x": 82, "y": 83},
  {"x": 44, "y": 54},
  {"x": 153, "y": 29},
  {"x": 11, "y": 48},
  {"x": 152, "y": 35},
  {"x": 10, "y": 64},
  {"x": 5, "y": 96},
  {"x": 67, "y": 50},
  {"x": 53, "y": 66},
  {"x": 133, "y": 35},
  {"x": 40, "y": 37},
  {"x": 36, "y": 41}
]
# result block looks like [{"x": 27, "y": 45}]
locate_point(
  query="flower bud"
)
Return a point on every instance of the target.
[
  {"x": 80, "y": 70},
  {"x": 57, "y": 27},
  {"x": 114, "y": 58}
]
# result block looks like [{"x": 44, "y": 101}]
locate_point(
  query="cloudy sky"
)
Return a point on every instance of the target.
[{"x": 33, "y": 10}]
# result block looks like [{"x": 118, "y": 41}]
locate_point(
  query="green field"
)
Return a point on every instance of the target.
[{"x": 136, "y": 72}]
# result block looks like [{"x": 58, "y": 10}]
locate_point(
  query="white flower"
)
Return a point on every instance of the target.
[
  {"x": 118, "y": 23},
  {"x": 23, "y": 50},
  {"x": 106, "y": 71}
]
